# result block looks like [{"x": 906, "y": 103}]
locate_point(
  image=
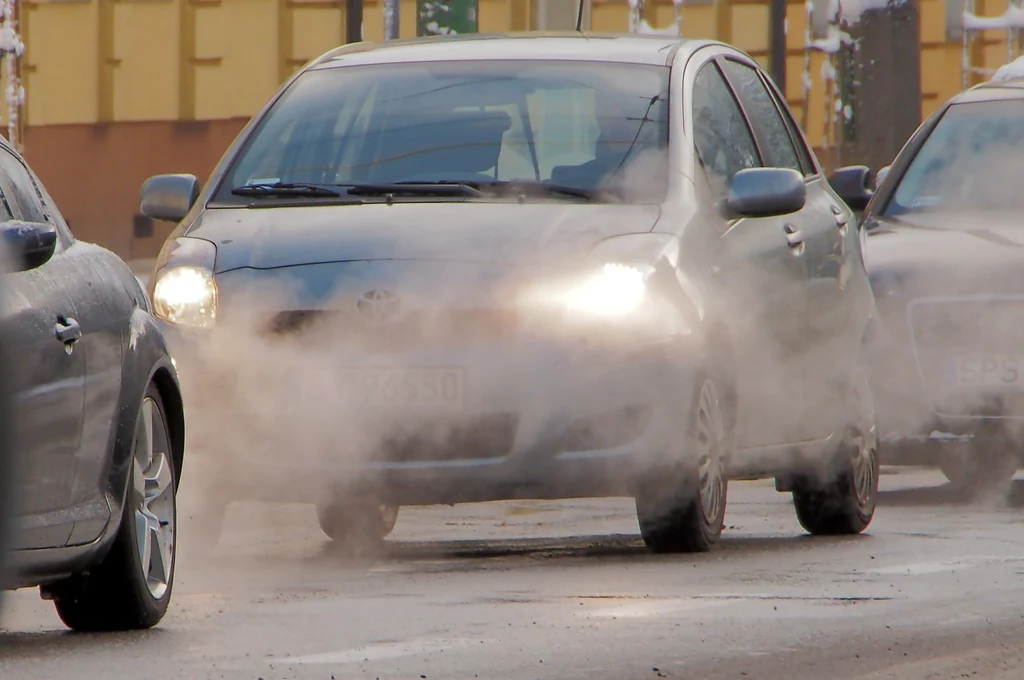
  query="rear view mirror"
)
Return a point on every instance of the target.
[
  {"x": 169, "y": 197},
  {"x": 853, "y": 184},
  {"x": 766, "y": 192},
  {"x": 881, "y": 175},
  {"x": 27, "y": 245}
]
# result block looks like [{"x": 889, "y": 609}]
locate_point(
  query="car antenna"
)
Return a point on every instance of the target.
[{"x": 579, "y": 17}]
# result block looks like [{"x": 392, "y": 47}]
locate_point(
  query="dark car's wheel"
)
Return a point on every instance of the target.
[
  {"x": 684, "y": 511},
  {"x": 355, "y": 521},
  {"x": 131, "y": 588},
  {"x": 843, "y": 500},
  {"x": 979, "y": 467}
]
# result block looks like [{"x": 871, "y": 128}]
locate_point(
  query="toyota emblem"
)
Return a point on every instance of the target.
[{"x": 378, "y": 304}]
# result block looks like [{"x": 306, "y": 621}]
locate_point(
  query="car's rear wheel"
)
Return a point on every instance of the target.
[
  {"x": 842, "y": 501},
  {"x": 131, "y": 587},
  {"x": 979, "y": 467},
  {"x": 356, "y": 521},
  {"x": 683, "y": 511}
]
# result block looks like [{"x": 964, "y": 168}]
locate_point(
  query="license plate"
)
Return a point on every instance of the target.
[
  {"x": 433, "y": 389},
  {"x": 985, "y": 371}
]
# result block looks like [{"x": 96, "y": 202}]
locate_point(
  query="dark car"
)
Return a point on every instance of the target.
[
  {"x": 504, "y": 267},
  {"x": 98, "y": 418},
  {"x": 945, "y": 253}
]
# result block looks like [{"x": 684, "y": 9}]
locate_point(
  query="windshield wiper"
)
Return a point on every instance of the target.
[
  {"x": 547, "y": 188},
  {"x": 440, "y": 188},
  {"x": 297, "y": 189}
]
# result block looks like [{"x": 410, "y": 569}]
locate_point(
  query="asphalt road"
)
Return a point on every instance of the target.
[{"x": 566, "y": 590}]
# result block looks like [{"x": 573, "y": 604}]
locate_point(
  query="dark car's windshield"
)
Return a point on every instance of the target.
[
  {"x": 583, "y": 125},
  {"x": 971, "y": 161}
]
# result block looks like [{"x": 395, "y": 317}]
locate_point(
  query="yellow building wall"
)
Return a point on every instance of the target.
[{"x": 91, "y": 61}]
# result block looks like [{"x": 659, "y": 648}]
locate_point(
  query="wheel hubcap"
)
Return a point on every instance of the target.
[
  {"x": 153, "y": 494},
  {"x": 711, "y": 476},
  {"x": 864, "y": 447}
]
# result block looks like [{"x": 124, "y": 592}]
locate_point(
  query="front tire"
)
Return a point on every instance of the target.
[
  {"x": 131, "y": 587},
  {"x": 684, "y": 511},
  {"x": 356, "y": 522},
  {"x": 843, "y": 502},
  {"x": 976, "y": 468}
]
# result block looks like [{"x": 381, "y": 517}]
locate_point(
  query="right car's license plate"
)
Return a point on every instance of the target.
[{"x": 985, "y": 371}]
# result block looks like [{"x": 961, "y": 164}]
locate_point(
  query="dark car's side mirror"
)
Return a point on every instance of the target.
[
  {"x": 27, "y": 245},
  {"x": 853, "y": 184},
  {"x": 766, "y": 192},
  {"x": 880, "y": 175},
  {"x": 169, "y": 197}
]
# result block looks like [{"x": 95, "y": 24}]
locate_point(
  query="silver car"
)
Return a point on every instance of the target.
[{"x": 522, "y": 267}]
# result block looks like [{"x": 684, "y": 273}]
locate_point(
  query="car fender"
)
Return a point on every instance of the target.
[{"x": 146, "y": 361}]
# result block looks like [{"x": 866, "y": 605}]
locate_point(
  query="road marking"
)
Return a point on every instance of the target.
[
  {"x": 381, "y": 650},
  {"x": 940, "y": 566},
  {"x": 657, "y": 608}
]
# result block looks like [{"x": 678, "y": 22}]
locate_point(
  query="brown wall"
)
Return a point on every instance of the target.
[{"x": 95, "y": 172}]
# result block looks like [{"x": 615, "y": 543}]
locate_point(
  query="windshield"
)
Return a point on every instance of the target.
[
  {"x": 971, "y": 161},
  {"x": 591, "y": 126}
]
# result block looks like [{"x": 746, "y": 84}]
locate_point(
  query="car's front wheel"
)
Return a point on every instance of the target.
[
  {"x": 131, "y": 587},
  {"x": 842, "y": 501},
  {"x": 356, "y": 521},
  {"x": 979, "y": 466},
  {"x": 683, "y": 511}
]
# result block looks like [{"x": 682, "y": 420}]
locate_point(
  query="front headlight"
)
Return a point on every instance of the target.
[
  {"x": 613, "y": 291},
  {"x": 184, "y": 291},
  {"x": 186, "y": 295}
]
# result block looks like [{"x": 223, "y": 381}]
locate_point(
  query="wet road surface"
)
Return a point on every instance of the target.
[{"x": 934, "y": 589}]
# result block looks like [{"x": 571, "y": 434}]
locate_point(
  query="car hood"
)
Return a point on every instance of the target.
[
  {"x": 506, "y": 233},
  {"x": 948, "y": 254}
]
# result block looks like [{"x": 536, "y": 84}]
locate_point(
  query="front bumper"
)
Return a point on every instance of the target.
[
  {"x": 922, "y": 402},
  {"x": 542, "y": 419}
]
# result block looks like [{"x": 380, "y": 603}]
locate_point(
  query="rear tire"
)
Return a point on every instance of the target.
[
  {"x": 683, "y": 511},
  {"x": 131, "y": 587},
  {"x": 843, "y": 501}
]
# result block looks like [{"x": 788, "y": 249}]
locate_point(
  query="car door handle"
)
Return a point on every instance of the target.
[
  {"x": 841, "y": 217},
  {"x": 67, "y": 330},
  {"x": 793, "y": 236}
]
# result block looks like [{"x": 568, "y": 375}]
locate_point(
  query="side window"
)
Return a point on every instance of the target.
[
  {"x": 720, "y": 132},
  {"x": 23, "y": 197},
  {"x": 53, "y": 213},
  {"x": 760, "y": 107},
  {"x": 806, "y": 159}
]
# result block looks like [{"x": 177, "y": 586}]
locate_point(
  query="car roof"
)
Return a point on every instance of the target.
[
  {"x": 993, "y": 90},
  {"x": 629, "y": 48}
]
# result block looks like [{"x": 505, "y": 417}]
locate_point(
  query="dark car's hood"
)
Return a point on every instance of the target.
[
  {"x": 949, "y": 254},
  {"x": 508, "y": 233}
]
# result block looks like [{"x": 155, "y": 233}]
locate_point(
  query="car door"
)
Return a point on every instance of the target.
[
  {"x": 759, "y": 268},
  {"x": 825, "y": 224},
  {"x": 103, "y": 310},
  {"x": 49, "y": 378}
]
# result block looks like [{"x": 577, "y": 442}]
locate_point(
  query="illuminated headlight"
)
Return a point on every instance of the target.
[
  {"x": 615, "y": 290},
  {"x": 186, "y": 295}
]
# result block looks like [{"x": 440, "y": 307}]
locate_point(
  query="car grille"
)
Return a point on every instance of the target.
[
  {"x": 459, "y": 328},
  {"x": 969, "y": 325},
  {"x": 481, "y": 437}
]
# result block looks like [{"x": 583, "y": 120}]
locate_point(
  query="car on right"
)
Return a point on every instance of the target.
[{"x": 944, "y": 250}]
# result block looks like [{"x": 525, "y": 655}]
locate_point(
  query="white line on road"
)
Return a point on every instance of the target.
[
  {"x": 939, "y": 566},
  {"x": 657, "y": 608},
  {"x": 381, "y": 650}
]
